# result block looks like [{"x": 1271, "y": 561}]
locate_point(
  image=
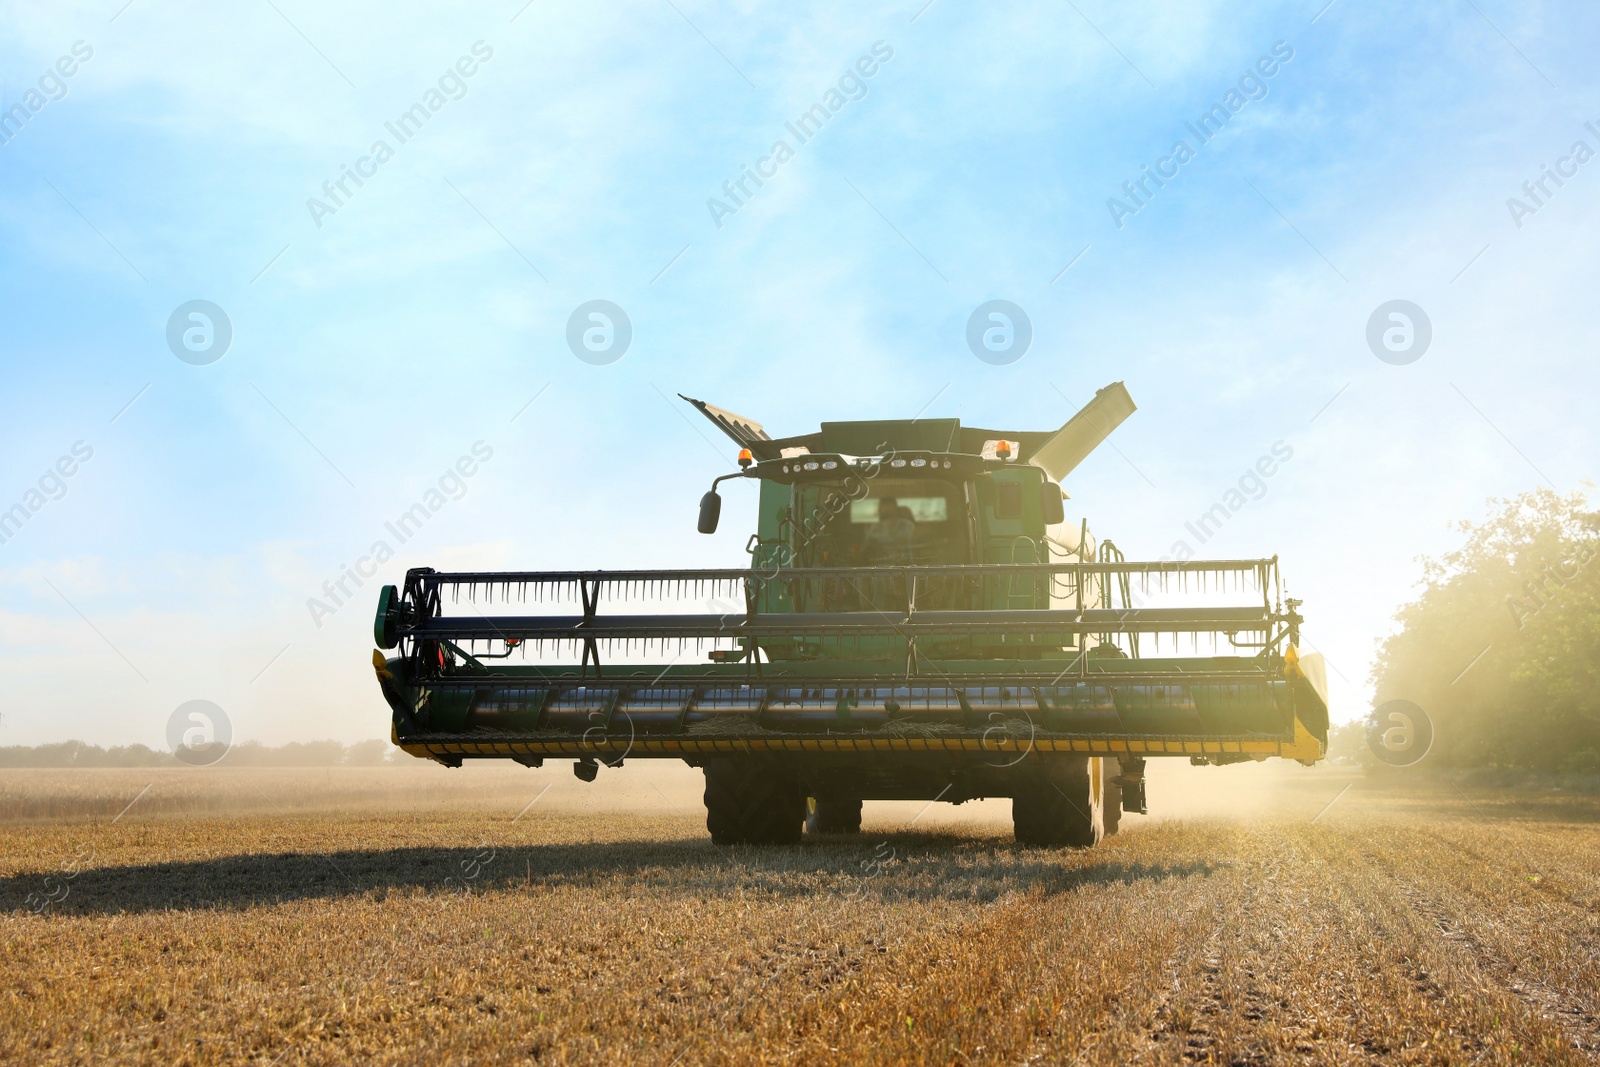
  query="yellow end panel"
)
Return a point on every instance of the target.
[{"x": 1305, "y": 745}]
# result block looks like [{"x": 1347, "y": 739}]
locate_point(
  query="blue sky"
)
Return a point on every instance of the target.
[{"x": 373, "y": 351}]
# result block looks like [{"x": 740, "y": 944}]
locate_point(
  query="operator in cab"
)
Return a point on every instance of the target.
[{"x": 891, "y": 538}]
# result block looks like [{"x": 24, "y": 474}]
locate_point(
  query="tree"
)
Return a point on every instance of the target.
[
  {"x": 368, "y": 753},
  {"x": 1502, "y": 645}
]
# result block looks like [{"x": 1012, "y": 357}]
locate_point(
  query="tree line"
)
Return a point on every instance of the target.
[
  {"x": 246, "y": 754},
  {"x": 1501, "y": 646}
]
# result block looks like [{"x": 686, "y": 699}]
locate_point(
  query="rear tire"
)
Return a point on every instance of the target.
[
  {"x": 747, "y": 803},
  {"x": 1060, "y": 802},
  {"x": 832, "y": 815}
]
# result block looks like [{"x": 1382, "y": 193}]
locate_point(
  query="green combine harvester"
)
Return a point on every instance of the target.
[{"x": 917, "y": 621}]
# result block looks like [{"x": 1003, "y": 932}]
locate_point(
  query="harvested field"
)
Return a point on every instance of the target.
[{"x": 411, "y": 915}]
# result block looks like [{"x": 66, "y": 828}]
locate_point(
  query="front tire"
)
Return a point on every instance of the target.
[
  {"x": 832, "y": 815},
  {"x": 747, "y": 803},
  {"x": 1060, "y": 802}
]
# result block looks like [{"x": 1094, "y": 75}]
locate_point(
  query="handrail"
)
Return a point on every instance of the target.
[
  {"x": 1158, "y": 567},
  {"x": 911, "y": 623}
]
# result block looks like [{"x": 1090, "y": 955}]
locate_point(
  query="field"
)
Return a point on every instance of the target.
[{"x": 417, "y": 915}]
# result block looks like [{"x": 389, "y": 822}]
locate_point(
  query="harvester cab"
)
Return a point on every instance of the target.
[{"x": 917, "y": 621}]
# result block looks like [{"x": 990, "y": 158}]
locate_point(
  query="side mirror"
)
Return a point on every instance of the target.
[
  {"x": 711, "y": 511},
  {"x": 1050, "y": 505}
]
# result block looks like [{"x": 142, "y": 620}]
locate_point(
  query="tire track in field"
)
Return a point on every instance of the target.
[
  {"x": 1217, "y": 1021},
  {"x": 1576, "y": 1022},
  {"x": 1554, "y": 880},
  {"x": 1580, "y": 1027},
  {"x": 1130, "y": 1023},
  {"x": 1577, "y": 1026},
  {"x": 1564, "y": 917},
  {"x": 1134, "y": 1018}
]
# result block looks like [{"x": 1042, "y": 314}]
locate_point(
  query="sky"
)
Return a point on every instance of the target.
[{"x": 384, "y": 336}]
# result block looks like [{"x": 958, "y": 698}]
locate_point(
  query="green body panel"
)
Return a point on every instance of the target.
[{"x": 876, "y": 437}]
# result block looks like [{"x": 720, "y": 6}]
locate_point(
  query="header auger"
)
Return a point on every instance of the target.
[{"x": 917, "y": 621}]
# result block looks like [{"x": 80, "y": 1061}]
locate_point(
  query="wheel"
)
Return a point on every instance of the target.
[
  {"x": 1060, "y": 802},
  {"x": 748, "y": 804},
  {"x": 832, "y": 815}
]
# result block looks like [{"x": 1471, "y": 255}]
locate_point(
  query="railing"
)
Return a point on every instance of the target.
[
  {"x": 941, "y": 606},
  {"x": 1259, "y": 574}
]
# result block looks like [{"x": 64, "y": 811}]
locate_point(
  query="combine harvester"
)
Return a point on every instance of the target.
[{"x": 917, "y": 622}]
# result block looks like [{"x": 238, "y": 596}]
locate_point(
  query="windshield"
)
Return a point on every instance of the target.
[
  {"x": 889, "y": 522},
  {"x": 893, "y": 522}
]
